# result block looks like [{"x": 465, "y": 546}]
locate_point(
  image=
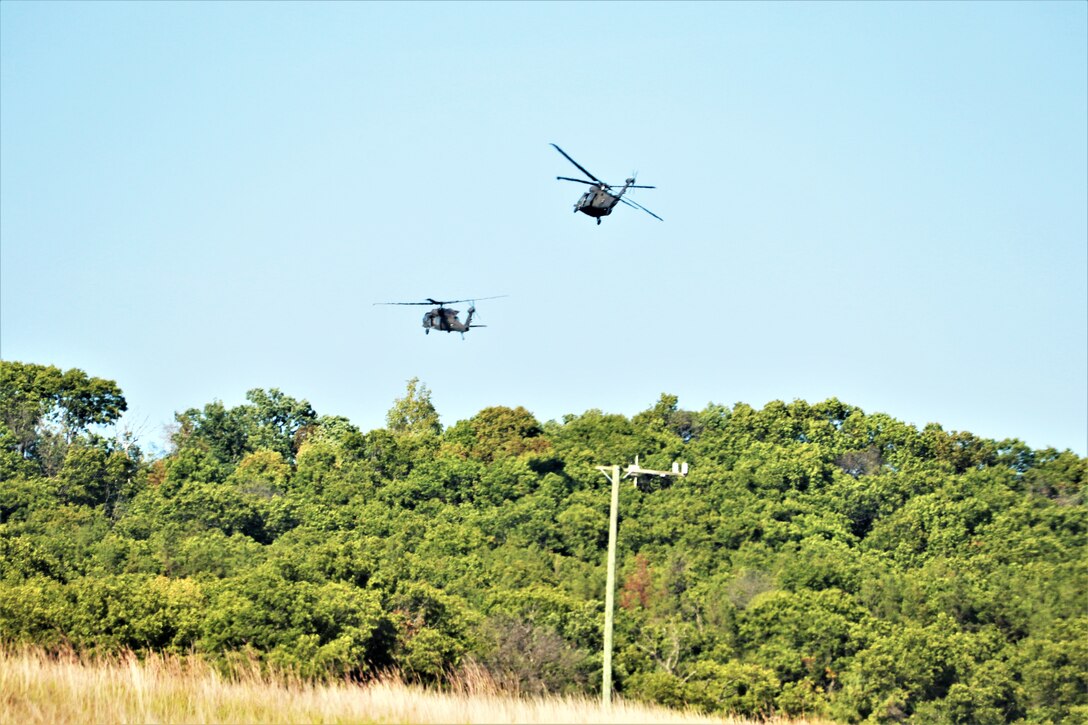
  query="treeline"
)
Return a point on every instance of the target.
[{"x": 817, "y": 560}]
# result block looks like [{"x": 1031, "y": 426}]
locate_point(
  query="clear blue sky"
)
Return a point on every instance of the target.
[{"x": 882, "y": 202}]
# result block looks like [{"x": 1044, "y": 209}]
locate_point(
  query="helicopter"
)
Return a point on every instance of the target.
[
  {"x": 444, "y": 319},
  {"x": 600, "y": 199}
]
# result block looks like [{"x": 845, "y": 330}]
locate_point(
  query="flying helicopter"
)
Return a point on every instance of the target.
[
  {"x": 601, "y": 199},
  {"x": 444, "y": 319}
]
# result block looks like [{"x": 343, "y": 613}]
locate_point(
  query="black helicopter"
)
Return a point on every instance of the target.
[
  {"x": 443, "y": 318},
  {"x": 600, "y": 199}
]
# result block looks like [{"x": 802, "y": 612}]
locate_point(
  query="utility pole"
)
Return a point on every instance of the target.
[
  {"x": 612, "y": 473},
  {"x": 610, "y": 583}
]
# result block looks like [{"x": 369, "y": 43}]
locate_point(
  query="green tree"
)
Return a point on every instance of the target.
[
  {"x": 277, "y": 422},
  {"x": 732, "y": 687},
  {"x": 1053, "y": 669},
  {"x": 902, "y": 669},
  {"x": 667, "y": 416},
  {"x": 40, "y": 404},
  {"x": 432, "y": 630},
  {"x": 94, "y": 476},
  {"x": 216, "y": 429},
  {"x": 414, "y": 414},
  {"x": 270, "y": 421},
  {"x": 498, "y": 432},
  {"x": 804, "y": 634}
]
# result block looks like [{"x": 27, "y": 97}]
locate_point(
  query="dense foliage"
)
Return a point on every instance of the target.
[{"x": 817, "y": 559}]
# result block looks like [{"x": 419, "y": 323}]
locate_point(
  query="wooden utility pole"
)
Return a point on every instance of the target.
[
  {"x": 610, "y": 583},
  {"x": 612, "y": 473}
]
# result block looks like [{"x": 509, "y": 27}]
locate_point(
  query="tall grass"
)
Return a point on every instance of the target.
[{"x": 36, "y": 687}]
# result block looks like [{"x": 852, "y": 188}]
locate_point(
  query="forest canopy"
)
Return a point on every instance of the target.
[{"x": 817, "y": 560}]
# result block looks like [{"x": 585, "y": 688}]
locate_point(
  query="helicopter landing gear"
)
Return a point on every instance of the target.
[{"x": 598, "y": 221}]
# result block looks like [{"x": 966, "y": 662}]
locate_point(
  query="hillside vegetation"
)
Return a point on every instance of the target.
[{"x": 817, "y": 561}]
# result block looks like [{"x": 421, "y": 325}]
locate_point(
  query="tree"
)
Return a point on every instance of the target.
[
  {"x": 37, "y": 400},
  {"x": 93, "y": 476},
  {"x": 803, "y": 634},
  {"x": 902, "y": 669},
  {"x": 666, "y": 415},
  {"x": 277, "y": 422},
  {"x": 431, "y": 630},
  {"x": 414, "y": 414},
  {"x": 746, "y": 689},
  {"x": 533, "y": 659},
  {"x": 263, "y": 473},
  {"x": 499, "y": 432},
  {"x": 271, "y": 421},
  {"x": 215, "y": 429}
]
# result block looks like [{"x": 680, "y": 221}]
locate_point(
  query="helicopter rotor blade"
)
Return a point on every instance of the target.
[
  {"x": 493, "y": 297},
  {"x": 441, "y": 303},
  {"x": 583, "y": 181},
  {"x": 630, "y": 203},
  {"x": 405, "y": 303},
  {"x": 429, "y": 302},
  {"x": 580, "y": 167},
  {"x": 637, "y": 186}
]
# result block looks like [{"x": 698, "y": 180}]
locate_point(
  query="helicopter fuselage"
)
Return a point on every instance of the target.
[
  {"x": 597, "y": 202},
  {"x": 445, "y": 319}
]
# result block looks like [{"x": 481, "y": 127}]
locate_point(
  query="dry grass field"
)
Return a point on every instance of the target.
[{"x": 39, "y": 688}]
